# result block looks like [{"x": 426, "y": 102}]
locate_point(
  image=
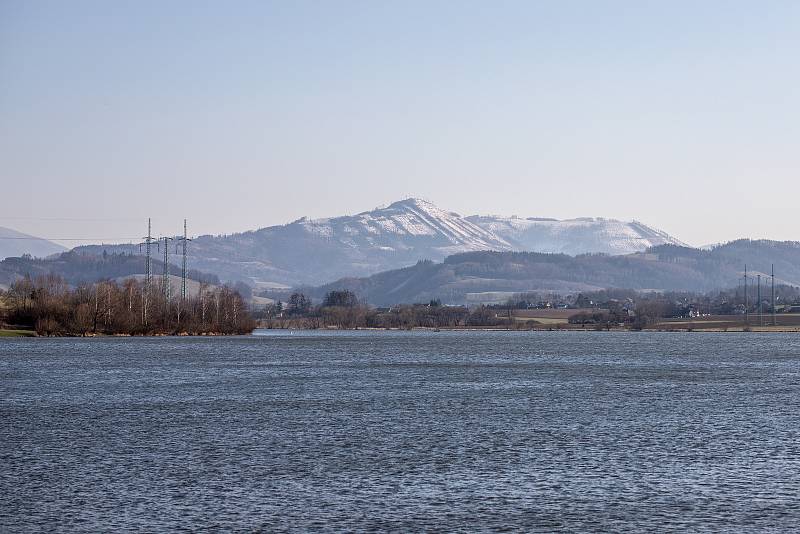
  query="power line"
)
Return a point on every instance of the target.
[
  {"x": 87, "y": 219},
  {"x": 32, "y": 238}
]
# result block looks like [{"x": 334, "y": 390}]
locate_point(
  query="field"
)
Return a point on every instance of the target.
[
  {"x": 11, "y": 332},
  {"x": 17, "y": 333},
  {"x": 783, "y": 322},
  {"x": 715, "y": 323},
  {"x": 549, "y": 317}
]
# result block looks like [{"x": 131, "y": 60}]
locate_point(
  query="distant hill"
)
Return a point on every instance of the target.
[
  {"x": 13, "y": 243},
  {"x": 493, "y": 276},
  {"x": 310, "y": 251},
  {"x": 78, "y": 268}
]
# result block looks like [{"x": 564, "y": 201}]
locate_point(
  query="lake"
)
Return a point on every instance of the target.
[{"x": 404, "y": 431}]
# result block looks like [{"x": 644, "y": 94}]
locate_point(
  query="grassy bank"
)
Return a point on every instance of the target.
[{"x": 17, "y": 333}]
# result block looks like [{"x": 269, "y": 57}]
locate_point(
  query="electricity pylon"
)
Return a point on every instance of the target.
[
  {"x": 184, "y": 242},
  {"x": 148, "y": 277}
]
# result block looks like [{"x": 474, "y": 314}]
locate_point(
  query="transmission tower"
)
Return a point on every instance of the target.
[
  {"x": 774, "y": 323},
  {"x": 166, "y": 271},
  {"x": 760, "y": 315},
  {"x": 149, "y": 265},
  {"x": 184, "y": 242},
  {"x": 746, "y": 311},
  {"x": 148, "y": 279}
]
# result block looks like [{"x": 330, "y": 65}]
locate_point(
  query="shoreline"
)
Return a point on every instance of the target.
[
  {"x": 23, "y": 333},
  {"x": 739, "y": 329},
  {"x": 18, "y": 333}
]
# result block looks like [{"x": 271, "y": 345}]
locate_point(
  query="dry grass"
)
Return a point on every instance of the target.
[
  {"x": 555, "y": 313},
  {"x": 733, "y": 323},
  {"x": 550, "y": 317},
  {"x": 17, "y": 333},
  {"x": 540, "y": 320}
]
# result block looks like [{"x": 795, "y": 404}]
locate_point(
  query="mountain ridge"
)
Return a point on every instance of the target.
[
  {"x": 492, "y": 276},
  {"x": 14, "y": 243},
  {"x": 310, "y": 251},
  {"x": 575, "y": 236}
]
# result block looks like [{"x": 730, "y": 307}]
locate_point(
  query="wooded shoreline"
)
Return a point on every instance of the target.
[
  {"x": 737, "y": 329},
  {"x": 47, "y": 306}
]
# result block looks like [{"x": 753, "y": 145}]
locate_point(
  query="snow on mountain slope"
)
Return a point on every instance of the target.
[
  {"x": 405, "y": 224},
  {"x": 574, "y": 236}
]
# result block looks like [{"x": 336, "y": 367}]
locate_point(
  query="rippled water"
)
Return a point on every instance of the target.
[{"x": 402, "y": 431}]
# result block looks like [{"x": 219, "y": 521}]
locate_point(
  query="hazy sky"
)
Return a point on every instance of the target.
[{"x": 239, "y": 115}]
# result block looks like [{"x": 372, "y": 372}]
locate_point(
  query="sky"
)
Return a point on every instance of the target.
[{"x": 239, "y": 115}]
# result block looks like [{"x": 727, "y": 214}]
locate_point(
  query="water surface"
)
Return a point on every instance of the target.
[{"x": 397, "y": 431}]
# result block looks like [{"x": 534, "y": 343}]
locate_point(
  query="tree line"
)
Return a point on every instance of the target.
[
  {"x": 343, "y": 309},
  {"x": 604, "y": 309},
  {"x": 49, "y": 305}
]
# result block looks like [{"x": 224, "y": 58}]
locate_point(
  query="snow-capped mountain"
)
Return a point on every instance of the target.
[
  {"x": 574, "y": 236},
  {"x": 407, "y": 225},
  {"x": 315, "y": 251}
]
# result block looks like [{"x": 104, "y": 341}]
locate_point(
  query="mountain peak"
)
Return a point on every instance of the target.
[{"x": 413, "y": 203}]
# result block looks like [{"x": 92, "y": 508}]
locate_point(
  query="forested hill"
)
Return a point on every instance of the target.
[
  {"x": 76, "y": 268},
  {"x": 471, "y": 276}
]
